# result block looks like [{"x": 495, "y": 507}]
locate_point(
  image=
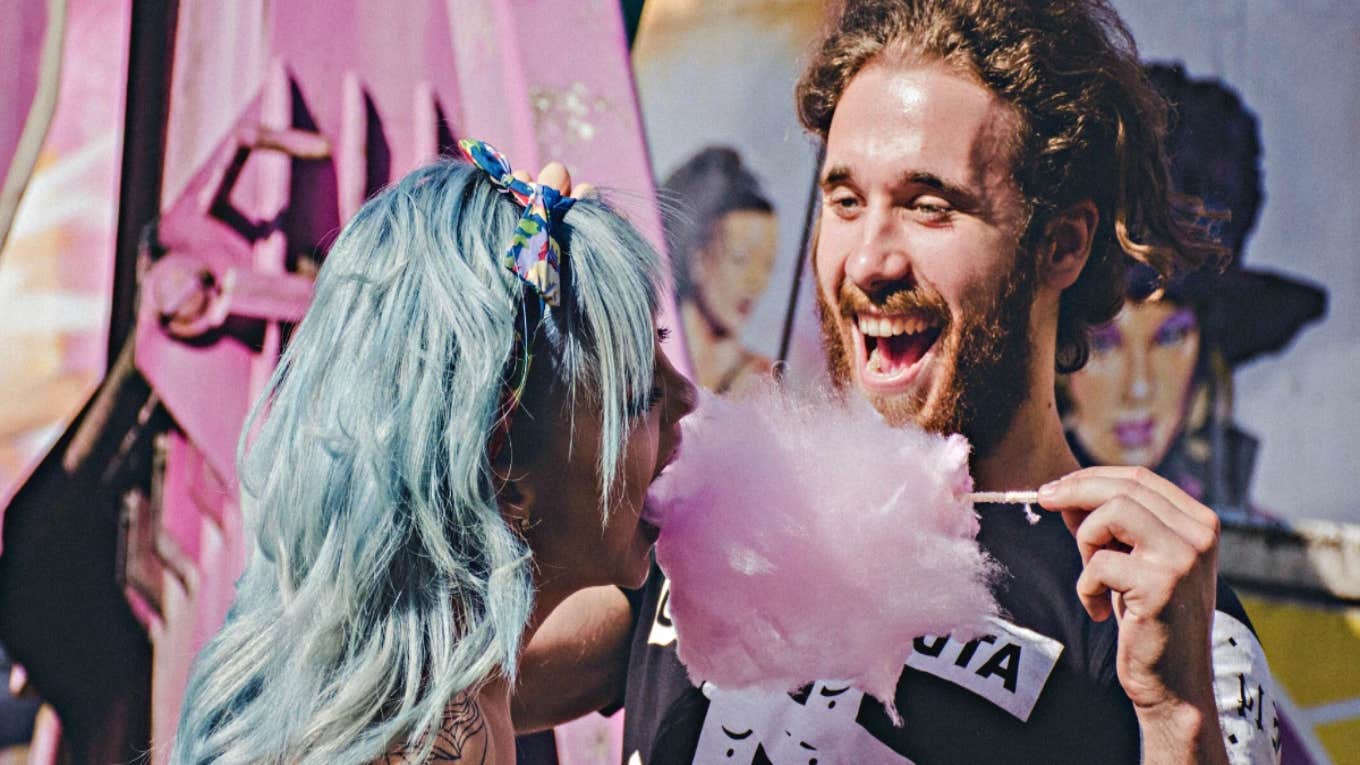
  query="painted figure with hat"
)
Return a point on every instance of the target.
[{"x": 1157, "y": 390}]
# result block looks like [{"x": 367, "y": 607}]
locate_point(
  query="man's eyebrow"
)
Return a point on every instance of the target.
[
  {"x": 836, "y": 175},
  {"x": 960, "y": 194}
]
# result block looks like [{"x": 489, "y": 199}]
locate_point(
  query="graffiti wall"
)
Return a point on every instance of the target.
[{"x": 56, "y": 267}]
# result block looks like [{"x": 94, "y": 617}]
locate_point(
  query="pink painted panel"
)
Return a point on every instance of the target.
[
  {"x": 183, "y": 465},
  {"x": 204, "y": 385},
  {"x": 21, "y": 44},
  {"x": 56, "y": 261}
]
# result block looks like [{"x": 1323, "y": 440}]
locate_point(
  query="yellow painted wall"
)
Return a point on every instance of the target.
[{"x": 1314, "y": 653}]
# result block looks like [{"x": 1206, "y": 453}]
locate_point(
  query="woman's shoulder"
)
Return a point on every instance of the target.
[{"x": 463, "y": 737}]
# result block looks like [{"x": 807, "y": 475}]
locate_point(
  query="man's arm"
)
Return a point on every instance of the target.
[
  {"x": 576, "y": 662},
  {"x": 1150, "y": 553}
]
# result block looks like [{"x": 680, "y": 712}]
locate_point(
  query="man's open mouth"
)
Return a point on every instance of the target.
[{"x": 891, "y": 348}]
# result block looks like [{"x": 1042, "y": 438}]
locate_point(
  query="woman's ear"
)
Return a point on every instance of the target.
[
  {"x": 516, "y": 500},
  {"x": 1067, "y": 242},
  {"x": 514, "y": 491}
]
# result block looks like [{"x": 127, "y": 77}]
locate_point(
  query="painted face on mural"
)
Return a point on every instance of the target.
[
  {"x": 1129, "y": 401},
  {"x": 923, "y": 291},
  {"x": 734, "y": 266}
]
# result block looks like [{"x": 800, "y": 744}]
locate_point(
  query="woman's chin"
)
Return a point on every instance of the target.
[{"x": 633, "y": 572}]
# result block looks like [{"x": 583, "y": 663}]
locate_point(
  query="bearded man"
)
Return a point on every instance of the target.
[{"x": 987, "y": 167}]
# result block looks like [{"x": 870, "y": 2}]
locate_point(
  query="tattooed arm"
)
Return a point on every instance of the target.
[{"x": 463, "y": 737}]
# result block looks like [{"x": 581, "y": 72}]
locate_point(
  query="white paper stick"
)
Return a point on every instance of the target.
[{"x": 1006, "y": 497}]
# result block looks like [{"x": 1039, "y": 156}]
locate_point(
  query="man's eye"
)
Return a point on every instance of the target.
[
  {"x": 843, "y": 204},
  {"x": 932, "y": 209}
]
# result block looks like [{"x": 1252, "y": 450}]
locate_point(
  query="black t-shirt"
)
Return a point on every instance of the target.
[{"x": 1042, "y": 688}]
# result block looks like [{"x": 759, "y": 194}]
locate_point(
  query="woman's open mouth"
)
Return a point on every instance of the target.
[
  {"x": 648, "y": 531},
  {"x": 891, "y": 350}
]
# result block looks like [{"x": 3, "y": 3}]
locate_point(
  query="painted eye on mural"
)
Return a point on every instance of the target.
[
  {"x": 1176, "y": 328},
  {"x": 1106, "y": 338}
]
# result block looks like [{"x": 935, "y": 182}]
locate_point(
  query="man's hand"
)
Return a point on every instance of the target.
[{"x": 1151, "y": 559}]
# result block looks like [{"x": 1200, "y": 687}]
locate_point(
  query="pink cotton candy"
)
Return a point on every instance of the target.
[{"x": 806, "y": 539}]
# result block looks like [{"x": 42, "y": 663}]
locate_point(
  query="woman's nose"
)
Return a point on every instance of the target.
[
  {"x": 685, "y": 398},
  {"x": 681, "y": 395}
]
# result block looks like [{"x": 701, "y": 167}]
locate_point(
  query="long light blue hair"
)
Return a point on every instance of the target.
[{"x": 384, "y": 579}]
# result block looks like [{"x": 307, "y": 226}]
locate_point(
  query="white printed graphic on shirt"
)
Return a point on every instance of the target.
[
  {"x": 816, "y": 725},
  {"x": 663, "y": 629},
  {"x": 1008, "y": 668},
  {"x": 1244, "y": 692}
]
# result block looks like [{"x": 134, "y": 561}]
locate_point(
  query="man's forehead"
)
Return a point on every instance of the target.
[{"x": 908, "y": 124}]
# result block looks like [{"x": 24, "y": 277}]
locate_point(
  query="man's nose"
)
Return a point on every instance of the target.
[{"x": 881, "y": 258}]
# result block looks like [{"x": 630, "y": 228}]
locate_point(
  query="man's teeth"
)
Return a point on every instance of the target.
[{"x": 889, "y": 326}]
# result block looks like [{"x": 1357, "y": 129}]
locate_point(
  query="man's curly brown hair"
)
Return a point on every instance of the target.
[{"x": 1090, "y": 125}]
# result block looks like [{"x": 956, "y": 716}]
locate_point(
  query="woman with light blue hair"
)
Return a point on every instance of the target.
[{"x": 460, "y": 434}]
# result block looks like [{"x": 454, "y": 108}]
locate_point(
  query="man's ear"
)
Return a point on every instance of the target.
[{"x": 1067, "y": 242}]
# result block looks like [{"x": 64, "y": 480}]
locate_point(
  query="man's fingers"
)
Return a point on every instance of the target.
[
  {"x": 1150, "y": 481},
  {"x": 586, "y": 191},
  {"x": 1107, "y": 571},
  {"x": 1091, "y": 489},
  {"x": 1124, "y": 521},
  {"x": 555, "y": 175},
  {"x": 521, "y": 175}
]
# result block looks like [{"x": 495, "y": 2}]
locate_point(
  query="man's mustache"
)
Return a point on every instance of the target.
[{"x": 917, "y": 300}]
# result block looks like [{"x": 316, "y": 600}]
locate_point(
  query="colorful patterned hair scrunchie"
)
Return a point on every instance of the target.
[{"x": 533, "y": 254}]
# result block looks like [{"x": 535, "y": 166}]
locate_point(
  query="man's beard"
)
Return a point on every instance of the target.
[{"x": 982, "y": 363}]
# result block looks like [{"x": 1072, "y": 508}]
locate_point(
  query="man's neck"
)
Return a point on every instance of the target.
[{"x": 1033, "y": 451}]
